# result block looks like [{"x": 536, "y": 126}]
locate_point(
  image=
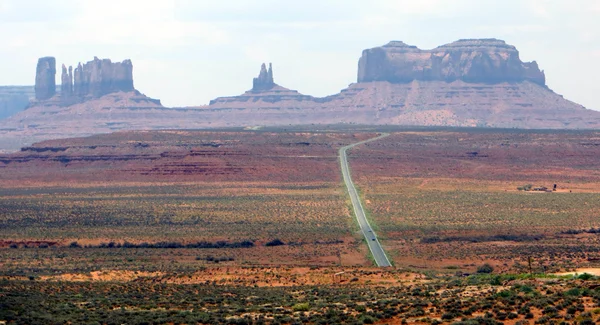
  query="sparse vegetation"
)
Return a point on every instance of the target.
[
  {"x": 273, "y": 246},
  {"x": 444, "y": 300},
  {"x": 485, "y": 268}
]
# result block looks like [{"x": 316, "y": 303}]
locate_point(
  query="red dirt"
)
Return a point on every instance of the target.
[{"x": 178, "y": 156}]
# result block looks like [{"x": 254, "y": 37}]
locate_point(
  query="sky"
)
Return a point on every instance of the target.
[{"x": 187, "y": 52}]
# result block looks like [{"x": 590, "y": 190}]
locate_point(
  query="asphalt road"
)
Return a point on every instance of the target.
[{"x": 370, "y": 236}]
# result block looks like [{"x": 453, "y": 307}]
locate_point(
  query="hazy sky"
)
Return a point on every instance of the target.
[{"x": 186, "y": 52}]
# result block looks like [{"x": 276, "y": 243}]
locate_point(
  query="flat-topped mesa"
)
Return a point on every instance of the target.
[
  {"x": 264, "y": 81},
  {"x": 45, "y": 78},
  {"x": 471, "y": 60}
]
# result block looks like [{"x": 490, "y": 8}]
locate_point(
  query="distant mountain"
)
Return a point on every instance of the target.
[
  {"x": 467, "y": 83},
  {"x": 14, "y": 99}
]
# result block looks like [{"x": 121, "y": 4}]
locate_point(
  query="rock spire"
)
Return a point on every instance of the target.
[
  {"x": 66, "y": 85},
  {"x": 264, "y": 81},
  {"x": 45, "y": 78}
]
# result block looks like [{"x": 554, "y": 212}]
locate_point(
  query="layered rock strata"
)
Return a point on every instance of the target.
[
  {"x": 467, "y": 83},
  {"x": 488, "y": 61}
]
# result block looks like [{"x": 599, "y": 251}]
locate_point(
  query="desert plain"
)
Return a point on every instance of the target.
[{"x": 243, "y": 226}]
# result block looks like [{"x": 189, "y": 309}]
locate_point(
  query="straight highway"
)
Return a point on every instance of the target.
[{"x": 377, "y": 251}]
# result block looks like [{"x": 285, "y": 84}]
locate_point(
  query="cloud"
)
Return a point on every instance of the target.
[
  {"x": 140, "y": 22},
  {"x": 421, "y": 7},
  {"x": 36, "y": 10},
  {"x": 269, "y": 11},
  {"x": 515, "y": 29},
  {"x": 107, "y": 24},
  {"x": 540, "y": 8}
]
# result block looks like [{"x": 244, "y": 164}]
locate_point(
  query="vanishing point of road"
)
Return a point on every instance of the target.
[{"x": 370, "y": 236}]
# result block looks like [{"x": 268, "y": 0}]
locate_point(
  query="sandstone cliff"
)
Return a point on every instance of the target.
[
  {"x": 467, "y": 83},
  {"x": 66, "y": 86},
  {"x": 96, "y": 97},
  {"x": 88, "y": 81},
  {"x": 45, "y": 78},
  {"x": 264, "y": 81},
  {"x": 101, "y": 77},
  {"x": 488, "y": 61}
]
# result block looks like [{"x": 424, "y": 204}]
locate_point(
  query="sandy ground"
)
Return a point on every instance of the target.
[{"x": 589, "y": 270}]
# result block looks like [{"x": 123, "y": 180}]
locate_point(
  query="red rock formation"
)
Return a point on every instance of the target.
[
  {"x": 66, "y": 86},
  {"x": 488, "y": 61},
  {"x": 467, "y": 83},
  {"x": 264, "y": 90},
  {"x": 101, "y": 77},
  {"x": 264, "y": 80},
  {"x": 45, "y": 83}
]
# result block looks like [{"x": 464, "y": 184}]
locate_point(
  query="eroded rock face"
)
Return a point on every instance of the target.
[
  {"x": 264, "y": 92},
  {"x": 471, "y": 60},
  {"x": 45, "y": 78},
  {"x": 93, "y": 79},
  {"x": 66, "y": 85},
  {"x": 264, "y": 81},
  {"x": 101, "y": 77}
]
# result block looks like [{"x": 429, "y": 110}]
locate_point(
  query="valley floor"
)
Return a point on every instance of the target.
[{"x": 256, "y": 227}]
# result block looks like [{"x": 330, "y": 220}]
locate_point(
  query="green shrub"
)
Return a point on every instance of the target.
[
  {"x": 585, "y": 276},
  {"x": 485, "y": 268},
  {"x": 302, "y": 306},
  {"x": 496, "y": 281},
  {"x": 574, "y": 292}
]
